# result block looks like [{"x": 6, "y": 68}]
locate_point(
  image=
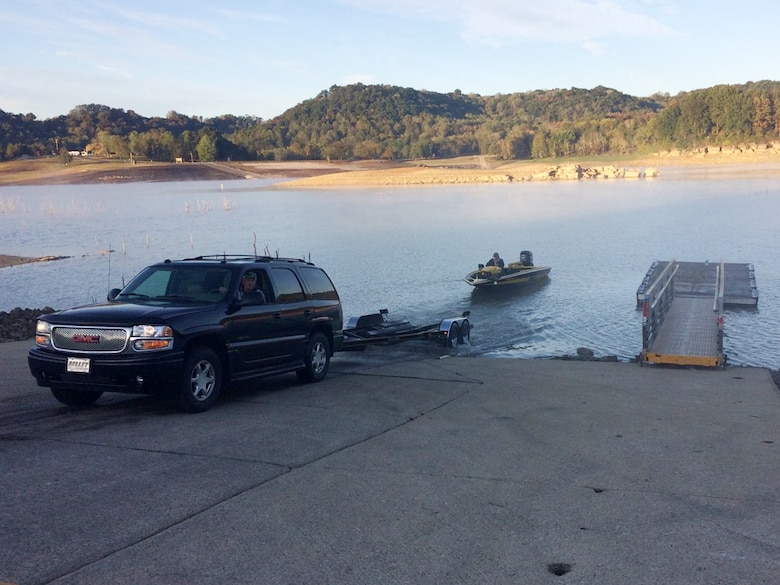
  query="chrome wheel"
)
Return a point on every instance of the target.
[
  {"x": 317, "y": 359},
  {"x": 201, "y": 381}
]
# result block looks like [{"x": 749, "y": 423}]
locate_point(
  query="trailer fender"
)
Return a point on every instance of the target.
[{"x": 454, "y": 332}]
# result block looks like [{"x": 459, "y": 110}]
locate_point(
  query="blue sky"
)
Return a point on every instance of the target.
[{"x": 262, "y": 57}]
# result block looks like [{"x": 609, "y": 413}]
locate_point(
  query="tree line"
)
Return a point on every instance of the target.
[{"x": 389, "y": 122}]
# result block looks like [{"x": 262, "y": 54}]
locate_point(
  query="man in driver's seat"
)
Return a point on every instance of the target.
[{"x": 249, "y": 285}]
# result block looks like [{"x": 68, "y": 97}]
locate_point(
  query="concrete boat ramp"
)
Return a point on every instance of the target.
[{"x": 402, "y": 466}]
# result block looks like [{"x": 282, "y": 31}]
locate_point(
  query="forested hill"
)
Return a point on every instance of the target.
[{"x": 390, "y": 122}]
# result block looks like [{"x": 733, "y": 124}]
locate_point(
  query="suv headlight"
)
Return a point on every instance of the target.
[
  {"x": 42, "y": 333},
  {"x": 151, "y": 337}
]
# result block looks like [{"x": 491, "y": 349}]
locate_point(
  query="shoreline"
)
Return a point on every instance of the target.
[
  {"x": 335, "y": 174},
  {"x": 7, "y": 260}
]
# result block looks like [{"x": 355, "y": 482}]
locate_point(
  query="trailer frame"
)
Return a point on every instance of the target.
[{"x": 378, "y": 329}]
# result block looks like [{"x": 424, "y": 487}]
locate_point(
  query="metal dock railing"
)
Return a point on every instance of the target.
[{"x": 684, "y": 328}]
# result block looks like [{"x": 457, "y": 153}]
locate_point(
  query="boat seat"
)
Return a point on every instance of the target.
[{"x": 371, "y": 320}]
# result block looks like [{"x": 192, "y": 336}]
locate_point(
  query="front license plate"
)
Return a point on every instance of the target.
[{"x": 78, "y": 365}]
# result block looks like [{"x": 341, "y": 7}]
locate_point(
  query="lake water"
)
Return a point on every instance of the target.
[{"x": 407, "y": 249}]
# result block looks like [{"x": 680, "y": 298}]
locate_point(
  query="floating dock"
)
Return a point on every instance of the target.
[
  {"x": 699, "y": 278},
  {"x": 682, "y": 309}
]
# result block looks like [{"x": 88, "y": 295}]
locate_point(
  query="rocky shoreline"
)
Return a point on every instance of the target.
[
  {"x": 334, "y": 174},
  {"x": 19, "y": 324}
]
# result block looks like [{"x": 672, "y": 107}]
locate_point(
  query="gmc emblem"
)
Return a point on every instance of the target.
[{"x": 80, "y": 338}]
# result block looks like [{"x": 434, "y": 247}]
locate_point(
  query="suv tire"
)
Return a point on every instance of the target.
[
  {"x": 201, "y": 380},
  {"x": 317, "y": 359}
]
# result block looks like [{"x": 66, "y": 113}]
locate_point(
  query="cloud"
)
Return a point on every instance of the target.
[
  {"x": 500, "y": 22},
  {"x": 162, "y": 21}
]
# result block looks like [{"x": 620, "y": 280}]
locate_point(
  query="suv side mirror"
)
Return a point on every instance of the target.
[{"x": 112, "y": 294}]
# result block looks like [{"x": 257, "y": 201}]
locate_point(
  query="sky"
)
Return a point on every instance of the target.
[{"x": 262, "y": 57}]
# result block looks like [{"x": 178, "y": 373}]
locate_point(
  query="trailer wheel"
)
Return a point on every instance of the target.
[
  {"x": 459, "y": 334},
  {"x": 464, "y": 334}
]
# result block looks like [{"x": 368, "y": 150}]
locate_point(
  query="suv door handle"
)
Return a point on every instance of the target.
[
  {"x": 307, "y": 312},
  {"x": 277, "y": 315}
]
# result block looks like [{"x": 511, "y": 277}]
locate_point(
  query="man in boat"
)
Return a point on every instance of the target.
[{"x": 495, "y": 261}]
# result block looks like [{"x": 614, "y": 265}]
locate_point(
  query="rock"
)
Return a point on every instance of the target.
[
  {"x": 19, "y": 324},
  {"x": 576, "y": 172},
  {"x": 584, "y": 352},
  {"x": 568, "y": 172}
]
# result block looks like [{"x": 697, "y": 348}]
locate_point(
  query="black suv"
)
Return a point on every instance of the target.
[{"x": 190, "y": 327}]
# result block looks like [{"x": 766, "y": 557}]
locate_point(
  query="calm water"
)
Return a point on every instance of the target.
[{"x": 407, "y": 249}]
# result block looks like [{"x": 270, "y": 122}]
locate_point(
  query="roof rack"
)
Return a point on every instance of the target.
[{"x": 246, "y": 257}]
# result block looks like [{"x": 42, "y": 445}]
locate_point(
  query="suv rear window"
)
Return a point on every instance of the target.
[
  {"x": 288, "y": 289},
  {"x": 319, "y": 284}
]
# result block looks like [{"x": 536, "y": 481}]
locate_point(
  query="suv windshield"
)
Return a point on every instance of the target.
[{"x": 178, "y": 283}]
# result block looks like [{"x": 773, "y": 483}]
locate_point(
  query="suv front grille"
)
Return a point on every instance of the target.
[{"x": 89, "y": 339}]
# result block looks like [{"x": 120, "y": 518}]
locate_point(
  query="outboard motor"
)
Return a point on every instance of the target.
[{"x": 526, "y": 258}]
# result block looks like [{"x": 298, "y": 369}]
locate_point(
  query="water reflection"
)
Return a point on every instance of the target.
[
  {"x": 504, "y": 295},
  {"x": 408, "y": 249}
]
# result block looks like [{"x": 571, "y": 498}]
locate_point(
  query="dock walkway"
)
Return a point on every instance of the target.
[
  {"x": 683, "y": 305},
  {"x": 689, "y": 334}
]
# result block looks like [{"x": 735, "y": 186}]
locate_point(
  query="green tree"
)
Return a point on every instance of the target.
[
  {"x": 187, "y": 145},
  {"x": 111, "y": 145},
  {"x": 693, "y": 124},
  {"x": 593, "y": 141},
  {"x": 65, "y": 156},
  {"x": 517, "y": 144},
  {"x": 564, "y": 141},
  {"x": 540, "y": 146},
  {"x": 12, "y": 150},
  {"x": 774, "y": 98},
  {"x": 762, "y": 120},
  {"x": 207, "y": 147},
  {"x": 664, "y": 125},
  {"x": 730, "y": 110}
]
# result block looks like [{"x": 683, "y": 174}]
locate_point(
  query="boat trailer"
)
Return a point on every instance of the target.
[{"x": 377, "y": 329}]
